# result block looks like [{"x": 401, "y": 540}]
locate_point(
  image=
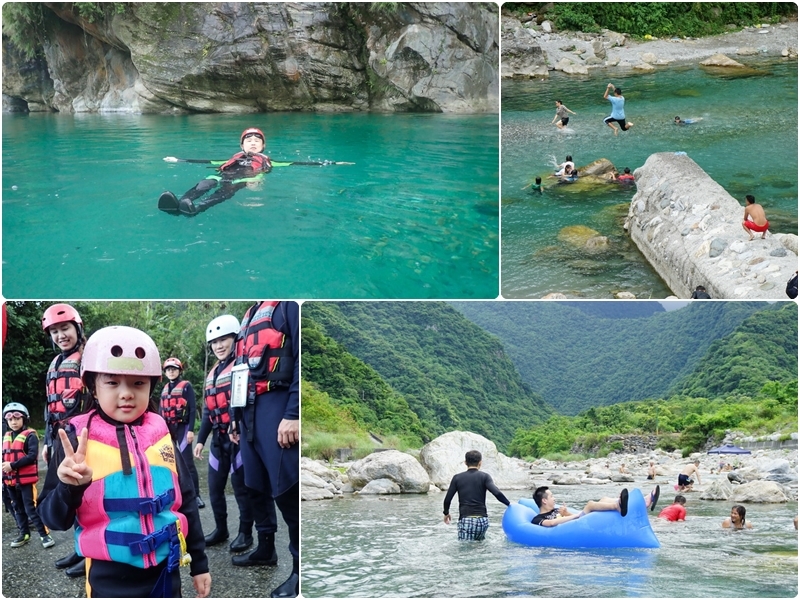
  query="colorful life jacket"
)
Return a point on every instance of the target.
[
  {"x": 268, "y": 352},
  {"x": 174, "y": 408},
  {"x": 129, "y": 512},
  {"x": 13, "y": 450},
  {"x": 626, "y": 177},
  {"x": 217, "y": 395},
  {"x": 258, "y": 162},
  {"x": 64, "y": 387}
]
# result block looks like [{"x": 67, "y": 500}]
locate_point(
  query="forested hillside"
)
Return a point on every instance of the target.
[
  {"x": 452, "y": 374},
  {"x": 613, "y": 309},
  {"x": 762, "y": 349},
  {"x": 577, "y": 360}
]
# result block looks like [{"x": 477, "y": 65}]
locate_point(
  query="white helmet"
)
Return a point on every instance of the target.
[
  {"x": 222, "y": 326},
  {"x": 15, "y": 407}
]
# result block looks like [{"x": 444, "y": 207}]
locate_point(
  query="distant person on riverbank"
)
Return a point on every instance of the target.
[
  {"x": 675, "y": 511},
  {"x": 561, "y": 115},
  {"x": 754, "y": 218},
  {"x": 737, "y": 519},
  {"x": 550, "y": 516},
  {"x": 651, "y": 470},
  {"x": 700, "y": 293},
  {"x": 684, "y": 482},
  {"x": 617, "y": 110},
  {"x": 471, "y": 487},
  {"x": 622, "y": 468}
]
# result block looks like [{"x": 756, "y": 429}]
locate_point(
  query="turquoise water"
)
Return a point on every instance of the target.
[
  {"x": 415, "y": 217},
  {"x": 398, "y": 547},
  {"x": 747, "y": 141}
]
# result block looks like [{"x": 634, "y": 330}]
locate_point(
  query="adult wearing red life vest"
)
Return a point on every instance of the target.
[
  {"x": 20, "y": 472},
  {"x": 178, "y": 408},
  {"x": 247, "y": 166},
  {"x": 64, "y": 389},
  {"x": 223, "y": 456},
  {"x": 269, "y": 343}
]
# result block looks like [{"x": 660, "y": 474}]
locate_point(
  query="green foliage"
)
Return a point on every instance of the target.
[
  {"x": 424, "y": 357},
  {"x": 659, "y": 19},
  {"x": 24, "y": 24},
  {"x": 178, "y": 329},
  {"x": 682, "y": 422}
]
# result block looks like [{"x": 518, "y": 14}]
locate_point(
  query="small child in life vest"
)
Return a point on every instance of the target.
[
  {"x": 20, "y": 473},
  {"x": 121, "y": 480}
]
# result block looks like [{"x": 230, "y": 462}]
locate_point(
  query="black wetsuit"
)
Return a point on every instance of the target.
[
  {"x": 233, "y": 176},
  {"x": 471, "y": 486}
]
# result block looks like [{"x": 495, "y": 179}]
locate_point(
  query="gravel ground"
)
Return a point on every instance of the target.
[
  {"x": 28, "y": 572},
  {"x": 771, "y": 43}
]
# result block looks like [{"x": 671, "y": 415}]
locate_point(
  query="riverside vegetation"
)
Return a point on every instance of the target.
[
  {"x": 660, "y": 19},
  {"x": 399, "y": 374}
]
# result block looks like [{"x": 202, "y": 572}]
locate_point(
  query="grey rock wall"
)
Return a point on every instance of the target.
[
  {"x": 689, "y": 229},
  {"x": 253, "y": 57}
]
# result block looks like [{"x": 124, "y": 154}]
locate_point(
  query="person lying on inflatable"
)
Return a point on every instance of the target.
[{"x": 549, "y": 516}]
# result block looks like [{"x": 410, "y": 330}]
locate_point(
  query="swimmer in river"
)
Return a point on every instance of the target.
[
  {"x": 617, "y": 110},
  {"x": 626, "y": 176},
  {"x": 561, "y": 115},
  {"x": 679, "y": 121},
  {"x": 737, "y": 519},
  {"x": 561, "y": 169},
  {"x": 537, "y": 187}
]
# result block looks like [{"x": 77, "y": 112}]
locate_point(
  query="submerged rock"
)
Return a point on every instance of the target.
[{"x": 577, "y": 235}]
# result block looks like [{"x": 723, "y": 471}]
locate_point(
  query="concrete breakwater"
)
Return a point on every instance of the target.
[{"x": 689, "y": 229}]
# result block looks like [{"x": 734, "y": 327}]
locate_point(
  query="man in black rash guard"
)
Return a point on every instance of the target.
[{"x": 471, "y": 486}]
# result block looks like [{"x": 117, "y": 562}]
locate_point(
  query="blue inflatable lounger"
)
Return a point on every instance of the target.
[{"x": 602, "y": 529}]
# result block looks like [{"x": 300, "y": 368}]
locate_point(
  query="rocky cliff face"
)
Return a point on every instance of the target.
[{"x": 253, "y": 57}]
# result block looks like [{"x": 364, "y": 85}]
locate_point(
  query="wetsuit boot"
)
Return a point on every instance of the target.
[
  {"x": 244, "y": 540},
  {"x": 291, "y": 587},
  {"x": 264, "y": 554},
  {"x": 68, "y": 561},
  {"x": 77, "y": 570},
  {"x": 219, "y": 535}
]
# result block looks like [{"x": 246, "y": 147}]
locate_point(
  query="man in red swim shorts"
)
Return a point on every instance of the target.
[{"x": 754, "y": 218}]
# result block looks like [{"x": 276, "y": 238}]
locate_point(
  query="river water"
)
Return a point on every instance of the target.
[
  {"x": 416, "y": 216},
  {"x": 747, "y": 142},
  {"x": 398, "y": 546}
]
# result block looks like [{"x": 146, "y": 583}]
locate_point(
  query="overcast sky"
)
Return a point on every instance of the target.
[{"x": 673, "y": 304}]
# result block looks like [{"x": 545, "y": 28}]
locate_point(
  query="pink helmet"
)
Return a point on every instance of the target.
[
  {"x": 173, "y": 362},
  {"x": 121, "y": 350},
  {"x": 60, "y": 313}
]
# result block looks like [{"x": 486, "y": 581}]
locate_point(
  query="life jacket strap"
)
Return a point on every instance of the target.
[{"x": 147, "y": 506}]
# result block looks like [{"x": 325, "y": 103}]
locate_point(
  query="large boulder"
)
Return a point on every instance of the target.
[
  {"x": 720, "y": 60},
  {"x": 398, "y": 466},
  {"x": 760, "y": 492},
  {"x": 315, "y": 488},
  {"x": 444, "y": 457},
  {"x": 689, "y": 229},
  {"x": 521, "y": 56},
  {"x": 380, "y": 487},
  {"x": 718, "y": 489}
]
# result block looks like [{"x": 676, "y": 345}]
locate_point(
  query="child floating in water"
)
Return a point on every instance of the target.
[
  {"x": 537, "y": 187},
  {"x": 679, "y": 121},
  {"x": 626, "y": 176}
]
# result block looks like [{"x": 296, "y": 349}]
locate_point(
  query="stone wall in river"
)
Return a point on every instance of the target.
[
  {"x": 689, "y": 229},
  {"x": 254, "y": 57}
]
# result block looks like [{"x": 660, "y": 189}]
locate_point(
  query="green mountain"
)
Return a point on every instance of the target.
[
  {"x": 577, "y": 360},
  {"x": 761, "y": 349},
  {"x": 452, "y": 374}
]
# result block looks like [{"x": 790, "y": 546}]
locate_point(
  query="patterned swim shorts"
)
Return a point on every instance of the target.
[{"x": 472, "y": 528}]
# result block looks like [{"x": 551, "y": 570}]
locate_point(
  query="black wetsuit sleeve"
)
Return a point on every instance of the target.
[
  {"x": 451, "y": 492},
  {"x": 495, "y": 491},
  {"x": 191, "y": 405},
  {"x": 291, "y": 328},
  {"x": 195, "y": 540},
  {"x": 205, "y": 426},
  {"x": 31, "y": 449},
  {"x": 58, "y": 501}
]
